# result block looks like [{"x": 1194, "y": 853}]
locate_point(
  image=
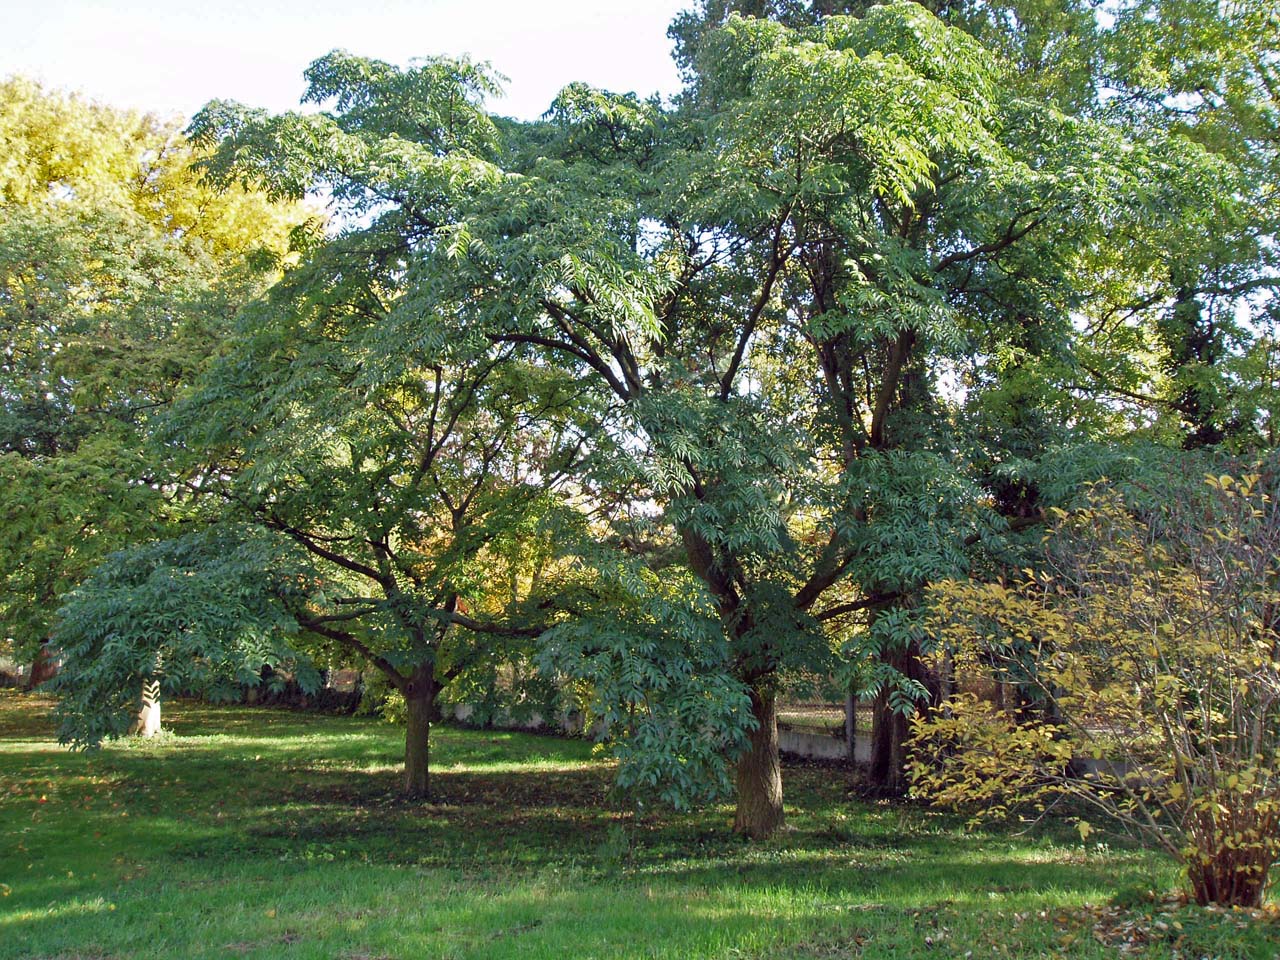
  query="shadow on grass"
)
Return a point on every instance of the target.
[{"x": 520, "y": 851}]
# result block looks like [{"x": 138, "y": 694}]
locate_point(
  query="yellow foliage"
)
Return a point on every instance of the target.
[
  {"x": 58, "y": 148},
  {"x": 1150, "y": 646}
]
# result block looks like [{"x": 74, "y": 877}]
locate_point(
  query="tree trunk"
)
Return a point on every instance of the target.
[
  {"x": 43, "y": 667},
  {"x": 851, "y": 726},
  {"x": 419, "y": 698},
  {"x": 759, "y": 813},
  {"x": 147, "y": 722},
  {"x": 890, "y": 730},
  {"x": 888, "y": 758}
]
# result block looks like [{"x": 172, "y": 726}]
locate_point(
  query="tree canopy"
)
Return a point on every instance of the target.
[
  {"x": 119, "y": 273},
  {"x": 715, "y": 389}
]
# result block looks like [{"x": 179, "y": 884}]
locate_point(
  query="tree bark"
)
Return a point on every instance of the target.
[
  {"x": 888, "y": 758},
  {"x": 759, "y": 813},
  {"x": 147, "y": 722},
  {"x": 43, "y": 667},
  {"x": 889, "y": 730},
  {"x": 419, "y": 698}
]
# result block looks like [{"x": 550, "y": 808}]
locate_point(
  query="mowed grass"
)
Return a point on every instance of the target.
[{"x": 260, "y": 833}]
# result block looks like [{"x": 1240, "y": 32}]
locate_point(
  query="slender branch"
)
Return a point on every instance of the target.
[
  {"x": 312, "y": 546},
  {"x": 482, "y": 626},
  {"x": 777, "y": 259},
  {"x": 1012, "y": 234}
]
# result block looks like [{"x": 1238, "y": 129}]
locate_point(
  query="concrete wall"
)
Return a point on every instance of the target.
[
  {"x": 792, "y": 742},
  {"x": 822, "y": 746}
]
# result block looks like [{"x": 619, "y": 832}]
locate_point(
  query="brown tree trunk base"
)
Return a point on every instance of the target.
[
  {"x": 419, "y": 698},
  {"x": 759, "y": 813},
  {"x": 888, "y": 749},
  {"x": 890, "y": 729}
]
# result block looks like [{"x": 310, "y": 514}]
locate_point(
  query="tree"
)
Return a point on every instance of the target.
[
  {"x": 794, "y": 313},
  {"x": 387, "y": 470},
  {"x": 1202, "y": 77},
  {"x": 1150, "y": 640},
  {"x": 773, "y": 282},
  {"x": 763, "y": 292},
  {"x": 118, "y": 272}
]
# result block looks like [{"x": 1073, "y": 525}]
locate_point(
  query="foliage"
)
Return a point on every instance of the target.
[
  {"x": 1201, "y": 77},
  {"x": 774, "y": 283},
  {"x": 661, "y": 695},
  {"x": 1150, "y": 640},
  {"x": 844, "y": 320},
  {"x": 194, "y": 613},
  {"x": 118, "y": 272}
]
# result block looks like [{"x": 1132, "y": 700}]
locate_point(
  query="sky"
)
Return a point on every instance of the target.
[{"x": 172, "y": 56}]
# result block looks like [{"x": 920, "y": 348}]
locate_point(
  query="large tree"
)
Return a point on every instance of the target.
[
  {"x": 382, "y": 475},
  {"x": 776, "y": 283},
  {"x": 1159, "y": 322},
  {"x": 767, "y": 290}
]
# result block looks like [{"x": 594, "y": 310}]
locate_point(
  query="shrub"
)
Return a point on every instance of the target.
[{"x": 1149, "y": 641}]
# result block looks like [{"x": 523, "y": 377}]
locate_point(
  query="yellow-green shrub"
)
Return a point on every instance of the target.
[{"x": 1149, "y": 639}]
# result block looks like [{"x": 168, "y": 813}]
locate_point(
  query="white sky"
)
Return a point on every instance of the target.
[{"x": 172, "y": 56}]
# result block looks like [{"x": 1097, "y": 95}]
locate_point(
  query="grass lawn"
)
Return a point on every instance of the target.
[{"x": 260, "y": 833}]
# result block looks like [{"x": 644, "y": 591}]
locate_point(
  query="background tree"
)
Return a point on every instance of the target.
[
  {"x": 1201, "y": 304},
  {"x": 118, "y": 276}
]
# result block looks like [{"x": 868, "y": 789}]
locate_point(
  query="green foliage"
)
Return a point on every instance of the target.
[
  {"x": 196, "y": 613},
  {"x": 662, "y": 696},
  {"x": 822, "y": 319}
]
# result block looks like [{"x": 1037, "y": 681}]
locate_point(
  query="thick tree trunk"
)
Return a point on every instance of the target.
[
  {"x": 888, "y": 756},
  {"x": 147, "y": 722},
  {"x": 43, "y": 667},
  {"x": 759, "y": 813},
  {"x": 419, "y": 698},
  {"x": 889, "y": 730}
]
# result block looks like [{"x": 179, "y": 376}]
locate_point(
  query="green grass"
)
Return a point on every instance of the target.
[{"x": 259, "y": 833}]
